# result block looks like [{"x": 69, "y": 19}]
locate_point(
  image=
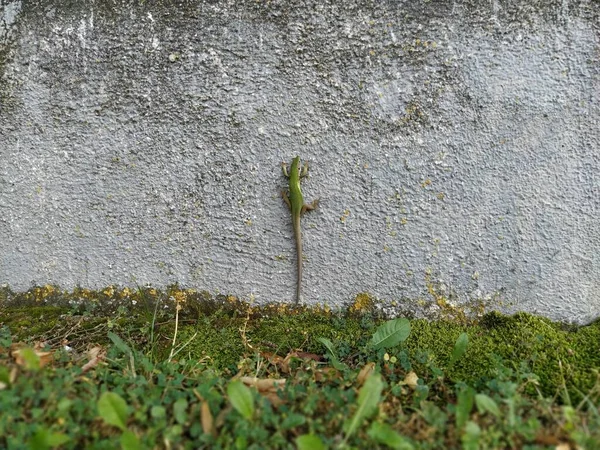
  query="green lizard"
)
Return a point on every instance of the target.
[{"x": 297, "y": 206}]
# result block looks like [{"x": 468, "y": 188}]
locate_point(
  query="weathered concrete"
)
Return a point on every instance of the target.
[{"x": 454, "y": 146}]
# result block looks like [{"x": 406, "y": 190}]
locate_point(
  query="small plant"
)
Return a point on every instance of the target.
[
  {"x": 241, "y": 398},
  {"x": 390, "y": 334},
  {"x": 369, "y": 397},
  {"x": 345, "y": 382},
  {"x": 114, "y": 411}
]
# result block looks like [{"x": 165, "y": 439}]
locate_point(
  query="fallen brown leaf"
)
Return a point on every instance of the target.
[
  {"x": 220, "y": 420},
  {"x": 411, "y": 380},
  {"x": 95, "y": 355},
  {"x": 545, "y": 438},
  {"x": 275, "y": 399},
  {"x": 267, "y": 387},
  {"x": 276, "y": 360},
  {"x": 264, "y": 384},
  {"x": 207, "y": 420},
  {"x": 326, "y": 374},
  {"x": 306, "y": 355},
  {"x": 39, "y": 346},
  {"x": 563, "y": 446},
  {"x": 284, "y": 363},
  {"x": 45, "y": 357},
  {"x": 365, "y": 372}
]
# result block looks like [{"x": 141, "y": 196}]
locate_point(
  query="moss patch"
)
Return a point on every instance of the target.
[{"x": 223, "y": 330}]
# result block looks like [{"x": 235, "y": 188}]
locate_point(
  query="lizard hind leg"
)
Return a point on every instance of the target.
[
  {"x": 310, "y": 206},
  {"x": 286, "y": 199}
]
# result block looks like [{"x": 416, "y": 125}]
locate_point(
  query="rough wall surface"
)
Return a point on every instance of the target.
[{"x": 453, "y": 145}]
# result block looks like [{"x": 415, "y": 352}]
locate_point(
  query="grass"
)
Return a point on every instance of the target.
[{"x": 179, "y": 369}]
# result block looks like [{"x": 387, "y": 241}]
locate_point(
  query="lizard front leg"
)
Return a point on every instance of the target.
[{"x": 304, "y": 170}]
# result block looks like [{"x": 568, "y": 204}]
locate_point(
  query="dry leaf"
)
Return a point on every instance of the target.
[
  {"x": 275, "y": 399},
  {"x": 264, "y": 384},
  {"x": 306, "y": 355},
  {"x": 207, "y": 420},
  {"x": 282, "y": 363},
  {"x": 95, "y": 355},
  {"x": 326, "y": 374},
  {"x": 544, "y": 438},
  {"x": 220, "y": 420},
  {"x": 365, "y": 373},
  {"x": 267, "y": 387},
  {"x": 411, "y": 380},
  {"x": 12, "y": 376},
  {"x": 45, "y": 357},
  {"x": 209, "y": 424},
  {"x": 39, "y": 346}
]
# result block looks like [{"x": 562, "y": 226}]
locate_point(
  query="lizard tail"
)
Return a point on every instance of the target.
[
  {"x": 299, "y": 256},
  {"x": 299, "y": 285}
]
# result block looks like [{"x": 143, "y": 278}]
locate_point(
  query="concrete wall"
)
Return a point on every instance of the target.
[{"x": 454, "y": 146}]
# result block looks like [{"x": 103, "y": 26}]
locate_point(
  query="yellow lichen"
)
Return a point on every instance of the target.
[{"x": 363, "y": 302}]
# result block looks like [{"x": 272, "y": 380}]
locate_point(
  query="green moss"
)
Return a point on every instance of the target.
[
  {"x": 25, "y": 323},
  {"x": 301, "y": 331},
  {"x": 220, "y": 337},
  {"x": 558, "y": 357},
  {"x": 221, "y": 345},
  {"x": 565, "y": 358},
  {"x": 582, "y": 362},
  {"x": 437, "y": 337}
]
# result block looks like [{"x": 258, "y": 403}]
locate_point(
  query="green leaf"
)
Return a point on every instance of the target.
[
  {"x": 57, "y": 439},
  {"x": 391, "y": 333},
  {"x": 335, "y": 362},
  {"x": 130, "y": 441},
  {"x": 241, "y": 398},
  {"x": 470, "y": 438},
  {"x": 119, "y": 343},
  {"x": 113, "y": 409},
  {"x": 43, "y": 439},
  {"x": 384, "y": 434},
  {"x": 487, "y": 404},
  {"x": 64, "y": 405},
  {"x": 421, "y": 393},
  {"x": 5, "y": 336},
  {"x": 32, "y": 360},
  {"x": 460, "y": 347},
  {"x": 173, "y": 432},
  {"x": 4, "y": 375},
  {"x": 241, "y": 442},
  {"x": 434, "y": 415},
  {"x": 180, "y": 410},
  {"x": 158, "y": 412},
  {"x": 309, "y": 442},
  {"x": 464, "y": 405},
  {"x": 368, "y": 399},
  {"x": 293, "y": 420}
]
